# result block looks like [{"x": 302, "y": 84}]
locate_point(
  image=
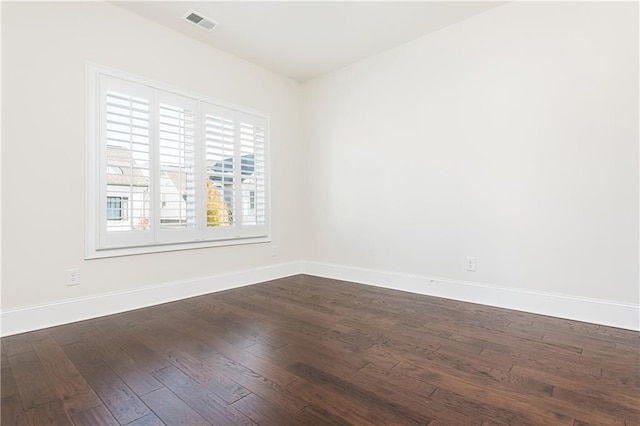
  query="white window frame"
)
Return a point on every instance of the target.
[{"x": 96, "y": 174}]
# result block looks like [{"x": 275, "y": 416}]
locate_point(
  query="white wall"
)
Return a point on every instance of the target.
[
  {"x": 511, "y": 137},
  {"x": 44, "y": 49}
]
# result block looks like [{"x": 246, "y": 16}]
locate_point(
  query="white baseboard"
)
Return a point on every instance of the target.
[
  {"x": 596, "y": 311},
  {"x": 31, "y": 318}
]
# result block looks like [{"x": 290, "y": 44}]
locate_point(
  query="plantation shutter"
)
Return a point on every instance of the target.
[
  {"x": 173, "y": 168},
  {"x": 176, "y": 210},
  {"x": 253, "y": 196},
  {"x": 236, "y": 176},
  {"x": 125, "y": 162},
  {"x": 220, "y": 181}
]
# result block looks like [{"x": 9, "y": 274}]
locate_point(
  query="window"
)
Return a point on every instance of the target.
[
  {"x": 170, "y": 170},
  {"x": 116, "y": 208},
  {"x": 252, "y": 200}
]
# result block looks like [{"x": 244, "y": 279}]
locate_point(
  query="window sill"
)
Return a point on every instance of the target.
[{"x": 161, "y": 248}]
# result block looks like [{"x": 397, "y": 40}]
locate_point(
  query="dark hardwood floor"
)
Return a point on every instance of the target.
[{"x": 306, "y": 350}]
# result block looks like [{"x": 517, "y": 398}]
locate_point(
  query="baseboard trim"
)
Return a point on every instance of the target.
[
  {"x": 595, "y": 311},
  {"x": 31, "y": 318}
]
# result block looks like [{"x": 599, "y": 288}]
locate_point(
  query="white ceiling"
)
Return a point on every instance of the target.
[{"x": 303, "y": 40}]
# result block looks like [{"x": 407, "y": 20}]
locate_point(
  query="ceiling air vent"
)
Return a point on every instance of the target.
[{"x": 200, "y": 20}]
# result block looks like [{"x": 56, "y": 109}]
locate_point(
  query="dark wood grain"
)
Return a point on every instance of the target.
[
  {"x": 263, "y": 412},
  {"x": 50, "y": 413},
  {"x": 95, "y": 416},
  {"x": 11, "y": 412},
  {"x": 206, "y": 375},
  {"x": 69, "y": 384},
  {"x": 172, "y": 410},
  {"x": 122, "y": 364},
  {"x": 315, "y": 415},
  {"x": 14, "y": 345},
  {"x": 148, "y": 420},
  {"x": 32, "y": 382},
  {"x": 206, "y": 403},
  {"x": 121, "y": 401},
  {"x": 71, "y": 333},
  {"x": 305, "y": 350},
  {"x": 260, "y": 385}
]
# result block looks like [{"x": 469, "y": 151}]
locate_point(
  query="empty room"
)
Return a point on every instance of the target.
[{"x": 320, "y": 212}]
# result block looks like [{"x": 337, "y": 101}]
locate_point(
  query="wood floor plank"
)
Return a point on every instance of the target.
[
  {"x": 615, "y": 407},
  {"x": 388, "y": 409},
  {"x": 95, "y": 416},
  {"x": 247, "y": 359},
  {"x": 121, "y": 401},
  {"x": 17, "y": 344},
  {"x": 67, "y": 381},
  {"x": 416, "y": 391},
  {"x": 309, "y": 350},
  {"x": 305, "y": 346},
  {"x": 501, "y": 403},
  {"x": 204, "y": 374},
  {"x": 165, "y": 329},
  {"x": 474, "y": 409},
  {"x": 334, "y": 403},
  {"x": 11, "y": 412},
  {"x": 144, "y": 356},
  {"x": 148, "y": 420},
  {"x": 172, "y": 410},
  {"x": 32, "y": 382},
  {"x": 316, "y": 415},
  {"x": 620, "y": 379},
  {"x": 262, "y": 412},
  {"x": 122, "y": 364},
  {"x": 4, "y": 358},
  {"x": 207, "y": 404},
  {"x": 7, "y": 383},
  {"x": 257, "y": 384},
  {"x": 628, "y": 395},
  {"x": 409, "y": 384},
  {"x": 400, "y": 392},
  {"x": 71, "y": 333},
  {"x": 249, "y": 330},
  {"x": 37, "y": 335},
  {"x": 51, "y": 413}
]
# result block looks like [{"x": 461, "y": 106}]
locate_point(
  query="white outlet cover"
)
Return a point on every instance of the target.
[
  {"x": 73, "y": 277},
  {"x": 471, "y": 264}
]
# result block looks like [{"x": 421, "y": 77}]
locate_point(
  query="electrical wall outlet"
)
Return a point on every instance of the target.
[
  {"x": 274, "y": 250},
  {"x": 471, "y": 264},
  {"x": 73, "y": 277}
]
